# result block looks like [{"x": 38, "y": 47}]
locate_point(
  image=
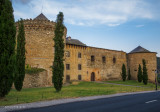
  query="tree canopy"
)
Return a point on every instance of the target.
[
  {"x": 7, "y": 46},
  {"x": 58, "y": 66}
]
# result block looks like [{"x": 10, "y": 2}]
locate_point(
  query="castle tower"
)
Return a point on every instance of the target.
[
  {"x": 135, "y": 58},
  {"x": 39, "y": 34}
]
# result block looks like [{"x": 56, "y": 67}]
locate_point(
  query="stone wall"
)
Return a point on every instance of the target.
[
  {"x": 39, "y": 46},
  {"x": 39, "y": 36},
  {"x": 36, "y": 80},
  {"x": 103, "y": 70},
  {"x": 134, "y": 59}
]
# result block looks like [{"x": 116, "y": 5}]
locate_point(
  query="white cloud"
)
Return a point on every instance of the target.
[
  {"x": 139, "y": 26},
  {"x": 112, "y": 25},
  {"x": 20, "y": 15},
  {"x": 94, "y": 12}
]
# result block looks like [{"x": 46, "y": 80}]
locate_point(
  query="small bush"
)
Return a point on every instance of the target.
[
  {"x": 145, "y": 74},
  {"x": 27, "y": 66},
  {"x": 139, "y": 75},
  {"x": 29, "y": 70},
  {"x": 123, "y": 74}
]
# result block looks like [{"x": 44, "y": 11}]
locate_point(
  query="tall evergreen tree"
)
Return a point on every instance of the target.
[
  {"x": 129, "y": 74},
  {"x": 7, "y": 46},
  {"x": 58, "y": 66},
  {"x": 145, "y": 74},
  {"x": 139, "y": 75},
  {"x": 20, "y": 57},
  {"x": 124, "y": 72}
]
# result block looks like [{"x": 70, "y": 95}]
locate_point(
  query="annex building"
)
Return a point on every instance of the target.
[{"x": 81, "y": 62}]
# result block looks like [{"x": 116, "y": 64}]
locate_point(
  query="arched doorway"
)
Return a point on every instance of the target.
[{"x": 92, "y": 76}]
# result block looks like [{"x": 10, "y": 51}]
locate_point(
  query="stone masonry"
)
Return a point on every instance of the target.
[{"x": 81, "y": 62}]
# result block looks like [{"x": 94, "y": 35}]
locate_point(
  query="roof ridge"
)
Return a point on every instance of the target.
[
  {"x": 41, "y": 17},
  {"x": 140, "y": 49},
  {"x": 75, "y": 42}
]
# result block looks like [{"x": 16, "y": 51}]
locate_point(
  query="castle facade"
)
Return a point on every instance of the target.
[{"x": 81, "y": 62}]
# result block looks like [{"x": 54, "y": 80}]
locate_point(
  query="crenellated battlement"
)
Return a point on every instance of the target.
[
  {"x": 34, "y": 21},
  {"x": 33, "y": 24}
]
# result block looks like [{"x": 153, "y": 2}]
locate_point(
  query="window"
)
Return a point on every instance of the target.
[
  {"x": 114, "y": 60},
  {"x": 135, "y": 70},
  {"x": 79, "y": 77},
  {"x": 79, "y": 55},
  {"x": 79, "y": 67},
  {"x": 67, "y": 54},
  {"x": 104, "y": 59},
  {"x": 67, "y": 78},
  {"x": 68, "y": 66},
  {"x": 92, "y": 58}
]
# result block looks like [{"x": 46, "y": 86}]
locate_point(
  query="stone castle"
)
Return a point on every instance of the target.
[{"x": 82, "y": 62}]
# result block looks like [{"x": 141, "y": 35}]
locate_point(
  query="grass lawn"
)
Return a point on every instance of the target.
[
  {"x": 133, "y": 82},
  {"x": 72, "y": 91}
]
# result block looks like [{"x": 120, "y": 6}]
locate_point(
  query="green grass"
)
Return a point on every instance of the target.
[
  {"x": 133, "y": 82},
  {"x": 72, "y": 91},
  {"x": 33, "y": 70}
]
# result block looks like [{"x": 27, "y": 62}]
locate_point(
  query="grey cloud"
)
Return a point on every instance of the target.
[{"x": 22, "y": 1}]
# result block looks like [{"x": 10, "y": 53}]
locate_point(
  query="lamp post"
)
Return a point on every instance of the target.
[{"x": 156, "y": 79}]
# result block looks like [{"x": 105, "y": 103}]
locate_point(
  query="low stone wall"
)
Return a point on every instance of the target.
[{"x": 36, "y": 80}]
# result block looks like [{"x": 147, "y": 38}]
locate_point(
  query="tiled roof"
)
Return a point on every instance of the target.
[
  {"x": 74, "y": 42},
  {"x": 140, "y": 49},
  {"x": 41, "y": 17}
]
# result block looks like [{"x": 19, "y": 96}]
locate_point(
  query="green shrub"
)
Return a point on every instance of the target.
[
  {"x": 29, "y": 70},
  {"x": 27, "y": 66},
  {"x": 145, "y": 74},
  {"x": 123, "y": 74},
  {"x": 139, "y": 75}
]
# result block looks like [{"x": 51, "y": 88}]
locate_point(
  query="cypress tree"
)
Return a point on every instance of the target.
[
  {"x": 124, "y": 72},
  {"x": 20, "y": 57},
  {"x": 145, "y": 74},
  {"x": 139, "y": 75},
  {"x": 129, "y": 74},
  {"x": 7, "y": 46},
  {"x": 58, "y": 66}
]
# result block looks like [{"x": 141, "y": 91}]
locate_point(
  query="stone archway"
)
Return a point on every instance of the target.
[{"x": 92, "y": 76}]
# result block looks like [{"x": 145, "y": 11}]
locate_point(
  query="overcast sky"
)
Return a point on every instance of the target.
[{"x": 111, "y": 24}]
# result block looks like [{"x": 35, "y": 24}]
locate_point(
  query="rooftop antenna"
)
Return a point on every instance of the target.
[{"x": 42, "y": 6}]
